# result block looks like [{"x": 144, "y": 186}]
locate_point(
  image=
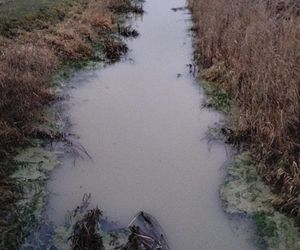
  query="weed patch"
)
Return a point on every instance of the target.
[
  {"x": 23, "y": 214},
  {"x": 217, "y": 98}
]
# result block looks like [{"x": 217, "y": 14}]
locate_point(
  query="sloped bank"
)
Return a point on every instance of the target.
[
  {"x": 244, "y": 48},
  {"x": 34, "y": 61}
]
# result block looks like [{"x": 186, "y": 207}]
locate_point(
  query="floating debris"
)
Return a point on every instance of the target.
[
  {"x": 128, "y": 31},
  {"x": 146, "y": 234},
  {"x": 179, "y": 9},
  {"x": 86, "y": 232}
]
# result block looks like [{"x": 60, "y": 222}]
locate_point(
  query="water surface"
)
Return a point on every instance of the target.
[{"x": 142, "y": 123}]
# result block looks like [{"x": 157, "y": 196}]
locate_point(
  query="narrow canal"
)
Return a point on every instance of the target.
[{"x": 142, "y": 123}]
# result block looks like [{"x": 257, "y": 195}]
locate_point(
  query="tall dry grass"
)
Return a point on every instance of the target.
[
  {"x": 24, "y": 75},
  {"x": 252, "y": 50},
  {"x": 30, "y": 55},
  {"x": 29, "y": 60}
]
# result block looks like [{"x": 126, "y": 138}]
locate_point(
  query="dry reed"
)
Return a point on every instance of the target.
[{"x": 252, "y": 50}]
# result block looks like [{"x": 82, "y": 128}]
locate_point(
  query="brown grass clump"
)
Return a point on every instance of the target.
[
  {"x": 72, "y": 39},
  {"x": 24, "y": 76},
  {"x": 97, "y": 16},
  {"x": 114, "y": 49},
  {"x": 252, "y": 49},
  {"x": 68, "y": 44}
]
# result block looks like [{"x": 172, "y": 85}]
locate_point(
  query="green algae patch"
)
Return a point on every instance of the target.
[
  {"x": 33, "y": 165},
  {"x": 278, "y": 231},
  {"x": 244, "y": 192}
]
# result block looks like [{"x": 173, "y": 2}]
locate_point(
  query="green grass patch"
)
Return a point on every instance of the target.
[
  {"x": 217, "y": 98},
  {"x": 32, "y": 168}
]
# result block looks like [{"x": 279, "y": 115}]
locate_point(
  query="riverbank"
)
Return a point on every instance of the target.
[
  {"x": 40, "y": 42},
  {"x": 249, "y": 53}
]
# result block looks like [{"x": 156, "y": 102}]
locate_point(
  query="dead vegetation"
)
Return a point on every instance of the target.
[
  {"x": 32, "y": 50},
  {"x": 127, "y": 31},
  {"x": 24, "y": 75},
  {"x": 29, "y": 60},
  {"x": 114, "y": 49},
  {"x": 251, "y": 49},
  {"x": 86, "y": 232},
  {"x": 126, "y": 6}
]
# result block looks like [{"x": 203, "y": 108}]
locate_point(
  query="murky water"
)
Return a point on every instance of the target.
[{"x": 143, "y": 126}]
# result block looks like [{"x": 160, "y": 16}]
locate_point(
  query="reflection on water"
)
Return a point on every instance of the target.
[{"x": 143, "y": 125}]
